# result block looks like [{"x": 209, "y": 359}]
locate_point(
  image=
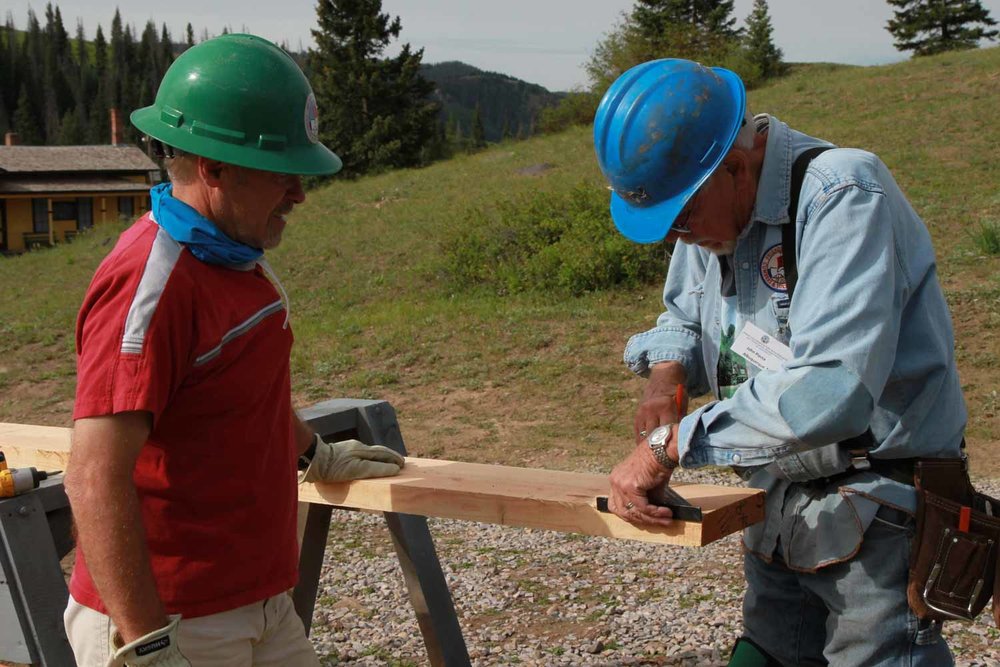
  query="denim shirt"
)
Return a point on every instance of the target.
[{"x": 871, "y": 342}]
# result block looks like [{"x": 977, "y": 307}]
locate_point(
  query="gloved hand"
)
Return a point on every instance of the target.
[
  {"x": 350, "y": 459},
  {"x": 157, "y": 649}
]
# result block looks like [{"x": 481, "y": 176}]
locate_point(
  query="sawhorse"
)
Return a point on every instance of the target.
[{"x": 36, "y": 533}]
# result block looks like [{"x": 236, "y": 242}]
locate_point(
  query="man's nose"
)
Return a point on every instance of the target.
[{"x": 295, "y": 192}]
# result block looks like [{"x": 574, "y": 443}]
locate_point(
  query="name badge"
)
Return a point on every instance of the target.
[{"x": 761, "y": 348}]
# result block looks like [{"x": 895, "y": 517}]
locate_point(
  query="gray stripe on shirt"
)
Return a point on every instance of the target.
[
  {"x": 239, "y": 330},
  {"x": 162, "y": 258}
]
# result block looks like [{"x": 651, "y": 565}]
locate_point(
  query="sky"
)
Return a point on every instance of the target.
[{"x": 539, "y": 41}]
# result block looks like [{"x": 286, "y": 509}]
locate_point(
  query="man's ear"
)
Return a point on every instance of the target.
[
  {"x": 210, "y": 171},
  {"x": 737, "y": 163}
]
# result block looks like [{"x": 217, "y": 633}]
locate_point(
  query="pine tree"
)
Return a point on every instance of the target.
[
  {"x": 375, "y": 111},
  {"x": 25, "y": 123},
  {"x": 97, "y": 111},
  {"x": 84, "y": 88},
  {"x": 166, "y": 56},
  {"x": 761, "y": 49},
  {"x": 478, "y": 131},
  {"x": 657, "y": 18},
  {"x": 927, "y": 27},
  {"x": 189, "y": 34},
  {"x": 70, "y": 132}
]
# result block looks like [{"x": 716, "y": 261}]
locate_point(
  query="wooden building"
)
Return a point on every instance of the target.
[{"x": 50, "y": 193}]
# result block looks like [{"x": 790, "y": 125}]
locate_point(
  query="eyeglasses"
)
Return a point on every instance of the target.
[{"x": 682, "y": 223}]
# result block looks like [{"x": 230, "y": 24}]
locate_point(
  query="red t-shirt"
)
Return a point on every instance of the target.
[{"x": 203, "y": 348}]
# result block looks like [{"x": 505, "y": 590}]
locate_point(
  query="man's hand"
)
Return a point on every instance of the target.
[
  {"x": 156, "y": 649},
  {"x": 632, "y": 479},
  {"x": 659, "y": 402},
  {"x": 350, "y": 459}
]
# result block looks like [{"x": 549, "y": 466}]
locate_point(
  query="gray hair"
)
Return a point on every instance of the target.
[
  {"x": 747, "y": 133},
  {"x": 181, "y": 167}
]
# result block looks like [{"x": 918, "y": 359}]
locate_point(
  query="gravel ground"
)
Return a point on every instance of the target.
[{"x": 532, "y": 597}]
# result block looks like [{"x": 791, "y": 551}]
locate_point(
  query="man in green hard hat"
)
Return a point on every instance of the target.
[{"x": 186, "y": 449}]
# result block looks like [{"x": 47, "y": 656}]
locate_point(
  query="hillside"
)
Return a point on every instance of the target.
[
  {"x": 529, "y": 379},
  {"x": 507, "y": 105}
]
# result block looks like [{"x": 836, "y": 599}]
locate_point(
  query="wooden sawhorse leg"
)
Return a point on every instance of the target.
[{"x": 374, "y": 423}]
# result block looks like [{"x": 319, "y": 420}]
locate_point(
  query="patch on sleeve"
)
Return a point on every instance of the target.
[{"x": 826, "y": 405}]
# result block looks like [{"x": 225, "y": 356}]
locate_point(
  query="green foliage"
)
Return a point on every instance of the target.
[
  {"x": 374, "y": 111},
  {"x": 986, "y": 238},
  {"x": 577, "y": 108},
  {"x": 478, "y": 132},
  {"x": 25, "y": 123},
  {"x": 73, "y": 82},
  {"x": 760, "y": 46},
  {"x": 508, "y": 107},
  {"x": 654, "y": 18},
  {"x": 927, "y": 27},
  {"x": 672, "y": 29},
  {"x": 548, "y": 243}
]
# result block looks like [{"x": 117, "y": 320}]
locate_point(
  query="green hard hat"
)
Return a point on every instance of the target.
[{"x": 239, "y": 99}]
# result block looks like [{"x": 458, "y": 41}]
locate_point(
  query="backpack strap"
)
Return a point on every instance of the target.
[{"x": 788, "y": 229}]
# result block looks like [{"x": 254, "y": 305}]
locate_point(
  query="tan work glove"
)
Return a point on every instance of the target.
[
  {"x": 157, "y": 649},
  {"x": 350, "y": 459}
]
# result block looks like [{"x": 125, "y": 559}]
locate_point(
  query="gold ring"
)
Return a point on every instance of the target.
[
  {"x": 629, "y": 505},
  {"x": 642, "y": 434}
]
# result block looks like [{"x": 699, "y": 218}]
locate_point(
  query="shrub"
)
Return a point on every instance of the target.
[
  {"x": 549, "y": 243},
  {"x": 577, "y": 108}
]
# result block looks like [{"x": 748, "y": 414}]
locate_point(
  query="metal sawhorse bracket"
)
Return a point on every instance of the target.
[
  {"x": 35, "y": 534},
  {"x": 374, "y": 423}
]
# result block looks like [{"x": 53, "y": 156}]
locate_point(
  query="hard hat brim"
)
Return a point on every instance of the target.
[
  {"x": 311, "y": 160},
  {"x": 645, "y": 224}
]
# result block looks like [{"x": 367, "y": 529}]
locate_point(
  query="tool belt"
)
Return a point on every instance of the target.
[{"x": 955, "y": 555}]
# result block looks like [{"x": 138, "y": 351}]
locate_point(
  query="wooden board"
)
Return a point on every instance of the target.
[{"x": 523, "y": 497}]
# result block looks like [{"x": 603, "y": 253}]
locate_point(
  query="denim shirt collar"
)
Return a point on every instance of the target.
[{"x": 771, "y": 207}]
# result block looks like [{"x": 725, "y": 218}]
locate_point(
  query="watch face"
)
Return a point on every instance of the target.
[{"x": 659, "y": 435}]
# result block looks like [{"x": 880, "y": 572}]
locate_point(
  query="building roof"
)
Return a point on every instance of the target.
[
  {"x": 62, "y": 159},
  {"x": 79, "y": 184}
]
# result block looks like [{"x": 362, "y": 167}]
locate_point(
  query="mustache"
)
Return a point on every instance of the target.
[{"x": 284, "y": 210}]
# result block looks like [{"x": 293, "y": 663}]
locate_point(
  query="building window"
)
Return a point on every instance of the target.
[
  {"x": 85, "y": 213},
  {"x": 64, "y": 210},
  {"x": 125, "y": 206},
  {"x": 40, "y": 216}
]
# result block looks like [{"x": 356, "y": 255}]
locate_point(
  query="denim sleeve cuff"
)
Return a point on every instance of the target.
[
  {"x": 656, "y": 346},
  {"x": 694, "y": 449}
]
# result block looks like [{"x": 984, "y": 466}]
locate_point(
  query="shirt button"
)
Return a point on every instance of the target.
[
  {"x": 745, "y": 265},
  {"x": 737, "y": 458},
  {"x": 688, "y": 459}
]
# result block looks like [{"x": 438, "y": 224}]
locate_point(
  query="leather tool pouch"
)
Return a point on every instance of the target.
[{"x": 956, "y": 550}]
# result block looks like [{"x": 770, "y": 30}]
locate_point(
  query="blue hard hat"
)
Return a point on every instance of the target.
[{"x": 660, "y": 131}]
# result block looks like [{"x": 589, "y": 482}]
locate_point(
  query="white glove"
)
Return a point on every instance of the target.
[
  {"x": 157, "y": 649},
  {"x": 350, "y": 459}
]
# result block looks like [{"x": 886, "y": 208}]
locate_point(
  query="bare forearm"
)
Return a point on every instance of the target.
[
  {"x": 108, "y": 519},
  {"x": 110, "y": 531}
]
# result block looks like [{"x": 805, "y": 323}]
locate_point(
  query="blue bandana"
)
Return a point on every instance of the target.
[{"x": 205, "y": 241}]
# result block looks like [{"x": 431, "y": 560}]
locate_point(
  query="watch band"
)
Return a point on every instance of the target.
[{"x": 658, "y": 442}]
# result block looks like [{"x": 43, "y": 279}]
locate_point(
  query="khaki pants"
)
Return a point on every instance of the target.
[{"x": 267, "y": 633}]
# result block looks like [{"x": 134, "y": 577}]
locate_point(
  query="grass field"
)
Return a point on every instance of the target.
[{"x": 536, "y": 379}]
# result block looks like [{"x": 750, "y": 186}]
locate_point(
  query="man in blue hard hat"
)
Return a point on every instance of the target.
[{"x": 823, "y": 400}]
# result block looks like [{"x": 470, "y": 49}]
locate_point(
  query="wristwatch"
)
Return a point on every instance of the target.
[{"x": 658, "y": 441}]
